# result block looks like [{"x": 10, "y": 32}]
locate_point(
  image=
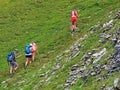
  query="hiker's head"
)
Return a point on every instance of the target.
[
  {"x": 33, "y": 41},
  {"x": 74, "y": 9},
  {"x": 16, "y": 50},
  {"x": 30, "y": 44}
]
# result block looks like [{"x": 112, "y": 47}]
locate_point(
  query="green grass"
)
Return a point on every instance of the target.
[{"x": 48, "y": 24}]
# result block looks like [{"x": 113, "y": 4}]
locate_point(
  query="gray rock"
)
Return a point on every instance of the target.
[
  {"x": 106, "y": 36},
  {"x": 99, "y": 55},
  {"x": 68, "y": 81},
  {"x": 109, "y": 88},
  {"x": 116, "y": 81},
  {"x": 56, "y": 67},
  {"x": 93, "y": 73},
  {"x": 118, "y": 31},
  {"x": 42, "y": 75},
  {"x": 72, "y": 83},
  {"x": 114, "y": 41},
  {"x": 108, "y": 24},
  {"x": 116, "y": 65},
  {"x": 117, "y": 47},
  {"x": 103, "y": 86},
  {"x": 117, "y": 15},
  {"x": 74, "y": 54},
  {"x": 74, "y": 67}
]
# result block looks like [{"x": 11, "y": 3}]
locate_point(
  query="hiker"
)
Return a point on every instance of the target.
[
  {"x": 28, "y": 55},
  {"x": 74, "y": 16},
  {"x": 12, "y": 61},
  {"x": 34, "y": 48}
]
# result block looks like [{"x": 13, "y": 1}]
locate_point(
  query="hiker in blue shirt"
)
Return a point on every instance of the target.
[{"x": 12, "y": 61}]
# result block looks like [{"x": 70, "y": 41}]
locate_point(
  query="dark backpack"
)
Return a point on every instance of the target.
[
  {"x": 27, "y": 49},
  {"x": 10, "y": 57}
]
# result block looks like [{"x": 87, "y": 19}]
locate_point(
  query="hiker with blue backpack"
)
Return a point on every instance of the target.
[
  {"x": 11, "y": 58},
  {"x": 28, "y": 54}
]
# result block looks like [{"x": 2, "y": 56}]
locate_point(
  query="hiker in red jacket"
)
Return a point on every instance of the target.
[
  {"x": 74, "y": 16},
  {"x": 34, "y": 48}
]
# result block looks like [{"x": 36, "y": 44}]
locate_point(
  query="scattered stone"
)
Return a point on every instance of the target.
[
  {"x": 103, "y": 87},
  {"x": 118, "y": 31},
  {"x": 116, "y": 85},
  {"x": 56, "y": 67},
  {"x": 109, "y": 88},
  {"x": 114, "y": 41},
  {"x": 99, "y": 55},
  {"x": 42, "y": 75},
  {"x": 74, "y": 67},
  {"x": 117, "y": 15},
  {"x": 93, "y": 73},
  {"x": 106, "y": 36},
  {"x": 108, "y": 24}
]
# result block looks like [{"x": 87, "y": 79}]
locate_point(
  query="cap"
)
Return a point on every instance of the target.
[
  {"x": 16, "y": 50},
  {"x": 30, "y": 44}
]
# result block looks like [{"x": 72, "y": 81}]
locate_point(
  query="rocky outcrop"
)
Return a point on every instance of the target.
[
  {"x": 92, "y": 58},
  {"x": 117, "y": 15}
]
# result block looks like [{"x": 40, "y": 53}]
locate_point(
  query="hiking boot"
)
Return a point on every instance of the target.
[
  {"x": 11, "y": 75},
  {"x": 73, "y": 30},
  {"x": 14, "y": 71},
  {"x": 25, "y": 66}
]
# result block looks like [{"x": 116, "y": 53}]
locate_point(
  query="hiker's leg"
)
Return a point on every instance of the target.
[
  {"x": 33, "y": 56},
  {"x": 30, "y": 59},
  {"x": 16, "y": 66},
  {"x": 26, "y": 63},
  {"x": 72, "y": 26},
  {"x": 72, "y": 20},
  {"x": 75, "y": 25},
  {"x": 11, "y": 71}
]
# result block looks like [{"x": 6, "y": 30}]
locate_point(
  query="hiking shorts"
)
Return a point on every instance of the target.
[
  {"x": 13, "y": 64},
  {"x": 28, "y": 56},
  {"x": 74, "y": 19}
]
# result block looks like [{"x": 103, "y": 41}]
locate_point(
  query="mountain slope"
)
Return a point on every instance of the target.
[{"x": 48, "y": 23}]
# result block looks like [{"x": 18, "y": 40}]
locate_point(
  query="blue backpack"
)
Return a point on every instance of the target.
[
  {"x": 27, "y": 49},
  {"x": 10, "y": 57}
]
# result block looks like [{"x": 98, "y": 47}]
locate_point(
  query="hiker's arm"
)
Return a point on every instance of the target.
[
  {"x": 19, "y": 56},
  {"x": 77, "y": 14}
]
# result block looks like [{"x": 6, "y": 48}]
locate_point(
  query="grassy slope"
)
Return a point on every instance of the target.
[{"x": 47, "y": 23}]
